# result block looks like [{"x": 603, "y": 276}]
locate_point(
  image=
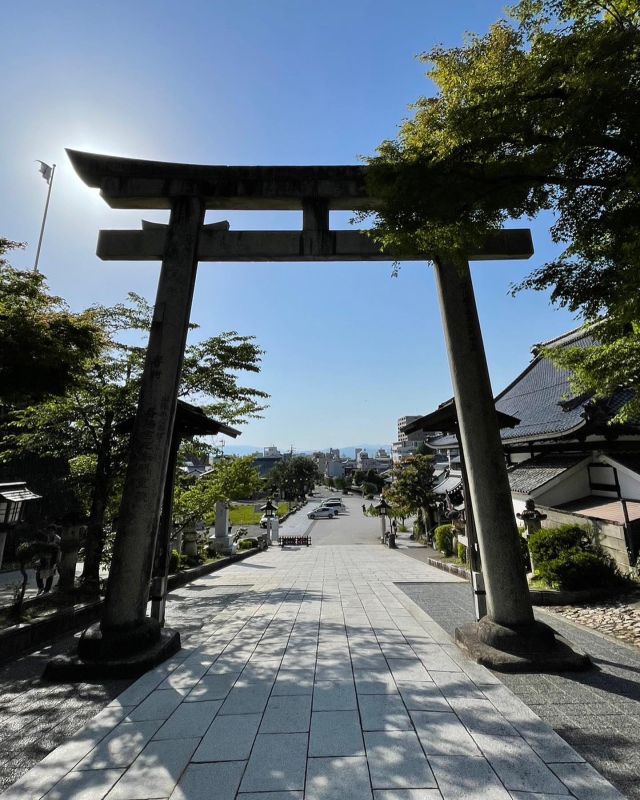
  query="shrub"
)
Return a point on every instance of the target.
[
  {"x": 443, "y": 536},
  {"x": 565, "y": 557},
  {"x": 524, "y": 552},
  {"x": 247, "y": 544},
  {"x": 462, "y": 553},
  {"x": 579, "y": 570},
  {"x": 550, "y": 543}
]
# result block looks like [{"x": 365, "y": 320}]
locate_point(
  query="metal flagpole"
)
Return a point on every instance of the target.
[{"x": 46, "y": 209}]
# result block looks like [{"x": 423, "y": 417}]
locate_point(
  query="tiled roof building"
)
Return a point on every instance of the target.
[{"x": 564, "y": 452}]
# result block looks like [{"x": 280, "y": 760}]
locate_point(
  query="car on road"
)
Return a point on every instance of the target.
[
  {"x": 337, "y": 505},
  {"x": 322, "y": 512}
]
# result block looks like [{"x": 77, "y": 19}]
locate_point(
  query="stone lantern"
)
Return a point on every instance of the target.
[{"x": 532, "y": 519}]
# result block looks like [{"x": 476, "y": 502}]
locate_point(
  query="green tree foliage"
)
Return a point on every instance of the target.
[
  {"x": 293, "y": 477},
  {"x": 541, "y": 113},
  {"x": 613, "y": 363},
  {"x": 86, "y": 425},
  {"x": 43, "y": 345},
  {"x": 411, "y": 490},
  {"x": 443, "y": 539},
  {"x": 229, "y": 479}
]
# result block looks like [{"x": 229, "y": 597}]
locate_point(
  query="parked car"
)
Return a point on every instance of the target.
[
  {"x": 322, "y": 512},
  {"x": 337, "y": 505}
]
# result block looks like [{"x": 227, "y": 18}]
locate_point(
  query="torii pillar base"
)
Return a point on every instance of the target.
[
  {"x": 524, "y": 648},
  {"x": 120, "y": 654}
]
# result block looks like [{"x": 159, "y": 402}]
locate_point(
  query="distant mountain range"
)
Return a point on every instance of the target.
[{"x": 345, "y": 452}]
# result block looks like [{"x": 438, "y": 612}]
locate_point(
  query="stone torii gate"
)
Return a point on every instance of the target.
[{"x": 188, "y": 191}]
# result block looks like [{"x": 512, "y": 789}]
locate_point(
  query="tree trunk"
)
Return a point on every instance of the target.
[{"x": 94, "y": 543}]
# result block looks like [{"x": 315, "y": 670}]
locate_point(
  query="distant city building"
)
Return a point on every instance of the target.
[
  {"x": 402, "y": 423},
  {"x": 406, "y": 444},
  {"x": 266, "y": 462},
  {"x": 321, "y": 460},
  {"x": 335, "y": 469}
]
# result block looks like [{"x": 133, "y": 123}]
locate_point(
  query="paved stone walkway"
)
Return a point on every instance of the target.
[
  {"x": 322, "y": 680},
  {"x": 597, "y": 711}
]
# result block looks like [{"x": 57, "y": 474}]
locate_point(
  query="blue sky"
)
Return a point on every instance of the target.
[{"x": 348, "y": 347}]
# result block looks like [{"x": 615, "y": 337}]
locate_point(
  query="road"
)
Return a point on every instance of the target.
[{"x": 348, "y": 528}]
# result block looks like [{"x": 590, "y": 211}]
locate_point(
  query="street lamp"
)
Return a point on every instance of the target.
[
  {"x": 269, "y": 510},
  {"x": 382, "y": 508}
]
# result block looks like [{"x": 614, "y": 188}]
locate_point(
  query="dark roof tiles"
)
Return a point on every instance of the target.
[
  {"x": 527, "y": 476},
  {"x": 541, "y": 398}
]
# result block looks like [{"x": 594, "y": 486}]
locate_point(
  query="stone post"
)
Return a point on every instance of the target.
[
  {"x": 508, "y": 601},
  {"x": 128, "y": 585},
  {"x": 275, "y": 529},
  {"x": 222, "y": 541}
]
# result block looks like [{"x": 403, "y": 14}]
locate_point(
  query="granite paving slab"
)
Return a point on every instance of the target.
[
  {"x": 92, "y": 784},
  {"x": 277, "y": 763},
  {"x": 337, "y": 779},
  {"x": 335, "y": 733},
  {"x": 201, "y": 781},
  {"x": 396, "y": 760}
]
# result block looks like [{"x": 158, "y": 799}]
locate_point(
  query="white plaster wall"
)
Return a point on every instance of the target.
[
  {"x": 519, "y": 501},
  {"x": 574, "y": 486},
  {"x": 629, "y": 486}
]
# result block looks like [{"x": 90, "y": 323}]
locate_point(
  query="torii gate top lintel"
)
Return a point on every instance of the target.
[
  {"x": 138, "y": 183},
  {"x": 317, "y": 190}
]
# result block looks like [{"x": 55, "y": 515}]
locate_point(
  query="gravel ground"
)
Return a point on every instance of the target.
[{"x": 619, "y": 617}]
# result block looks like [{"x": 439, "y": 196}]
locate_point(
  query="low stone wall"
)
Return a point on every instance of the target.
[
  {"x": 19, "y": 639},
  {"x": 539, "y": 597},
  {"x": 454, "y": 569}
]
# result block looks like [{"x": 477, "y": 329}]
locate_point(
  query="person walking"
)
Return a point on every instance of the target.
[{"x": 364, "y": 509}]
